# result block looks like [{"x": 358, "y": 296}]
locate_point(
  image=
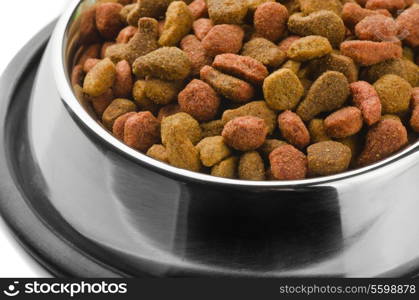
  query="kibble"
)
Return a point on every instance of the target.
[{"x": 252, "y": 90}]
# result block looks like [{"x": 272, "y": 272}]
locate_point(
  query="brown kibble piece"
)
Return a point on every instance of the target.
[
  {"x": 245, "y": 133},
  {"x": 282, "y": 90},
  {"x": 117, "y": 108},
  {"x": 394, "y": 93},
  {"x": 158, "y": 152},
  {"x": 309, "y": 6},
  {"x": 212, "y": 128},
  {"x": 140, "y": 97},
  {"x": 344, "y": 122},
  {"x": 142, "y": 43},
  {"x": 317, "y": 131},
  {"x": 383, "y": 139},
  {"x": 334, "y": 62},
  {"x": 227, "y": 11},
  {"x": 288, "y": 163},
  {"x": 201, "y": 27},
  {"x": 161, "y": 92},
  {"x": 183, "y": 124},
  {"x": 199, "y": 100},
  {"x": 244, "y": 67},
  {"x": 226, "y": 169},
  {"x": 223, "y": 39},
  {"x": 177, "y": 24},
  {"x": 329, "y": 92},
  {"x": 100, "y": 78},
  {"x": 181, "y": 152},
  {"x": 293, "y": 129},
  {"x": 230, "y": 87},
  {"x": 212, "y": 150},
  {"x": 118, "y": 127},
  {"x": 309, "y": 47},
  {"x": 369, "y": 53},
  {"x": 328, "y": 158},
  {"x": 251, "y": 167},
  {"x": 108, "y": 21},
  {"x": 123, "y": 83},
  {"x": 166, "y": 63},
  {"x": 321, "y": 23},
  {"x": 365, "y": 97},
  {"x": 270, "y": 20},
  {"x": 196, "y": 53},
  {"x": 265, "y": 52},
  {"x": 414, "y": 119},
  {"x": 256, "y": 109}
]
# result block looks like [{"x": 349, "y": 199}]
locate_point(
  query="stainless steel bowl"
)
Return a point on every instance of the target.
[{"x": 149, "y": 217}]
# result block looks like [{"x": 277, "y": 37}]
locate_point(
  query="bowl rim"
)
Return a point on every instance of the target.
[{"x": 59, "y": 43}]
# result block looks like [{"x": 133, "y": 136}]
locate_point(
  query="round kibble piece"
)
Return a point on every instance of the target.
[
  {"x": 270, "y": 20},
  {"x": 317, "y": 131},
  {"x": 199, "y": 100},
  {"x": 344, "y": 122},
  {"x": 383, "y": 139},
  {"x": 181, "y": 153},
  {"x": 158, "y": 152},
  {"x": 394, "y": 93},
  {"x": 223, "y": 39},
  {"x": 251, "y": 167},
  {"x": 256, "y": 109},
  {"x": 227, "y": 11},
  {"x": 293, "y": 129},
  {"x": 245, "y": 133},
  {"x": 117, "y": 108},
  {"x": 282, "y": 90},
  {"x": 309, "y": 47},
  {"x": 265, "y": 52},
  {"x": 213, "y": 150},
  {"x": 366, "y": 99},
  {"x": 288, "y": 163},
  {"x": 328, "y": 158},
  {"x": 100, "y": 78},
  {"x": 142, "y": 131},
  {"x": 108, "y": 22},
  {"x": 226, "y": 169},
  {"x": 123, "y": 83},
  {"x": 118, "y": 127},
  {"x": 183, "y": 124}
]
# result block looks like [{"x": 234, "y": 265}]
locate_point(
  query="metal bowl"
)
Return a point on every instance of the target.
[{"x": 140, "y": 216}]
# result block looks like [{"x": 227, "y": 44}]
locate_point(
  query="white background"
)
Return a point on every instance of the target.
[{"x": 19, "y": 21}]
